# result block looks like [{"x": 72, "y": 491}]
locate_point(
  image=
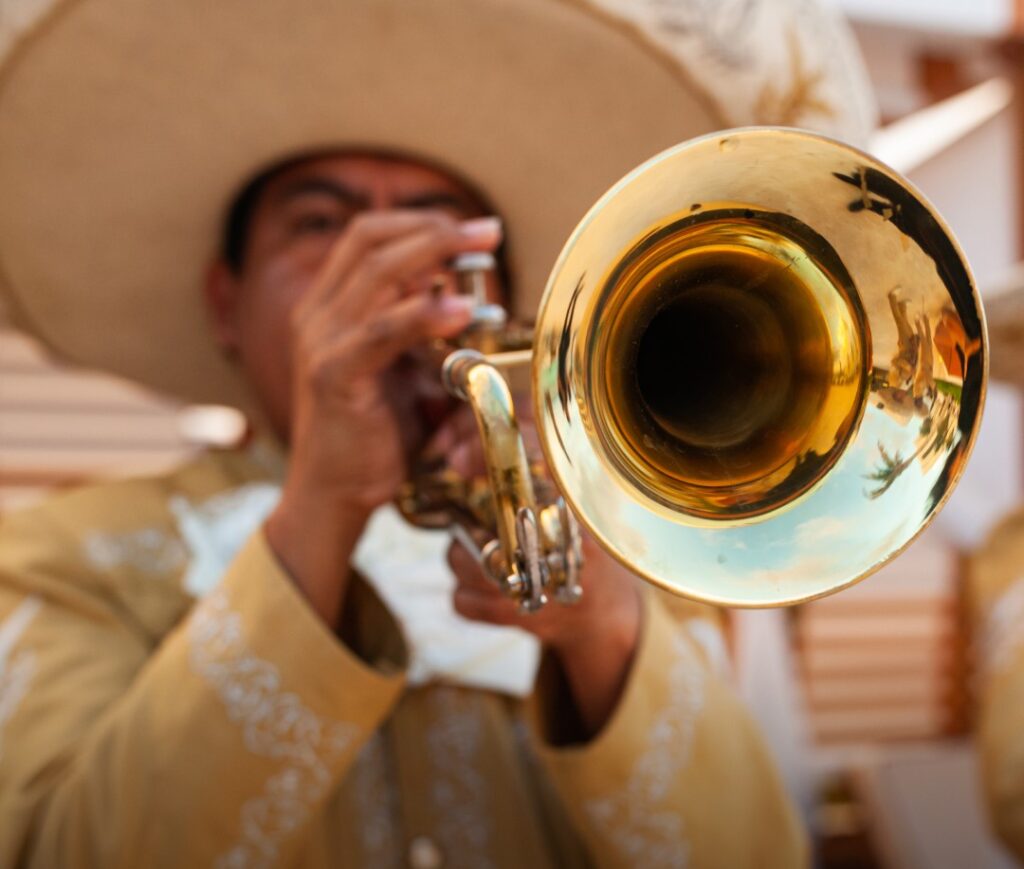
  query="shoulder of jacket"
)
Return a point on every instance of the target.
[{"x": 114, "y": 506}]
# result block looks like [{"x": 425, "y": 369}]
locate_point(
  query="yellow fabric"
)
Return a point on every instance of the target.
[
  {"x": 139, "y": 729},
  {"x": 997, "y": 597}
]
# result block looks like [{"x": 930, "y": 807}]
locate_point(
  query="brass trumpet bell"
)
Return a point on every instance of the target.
[{"x": 759, "y": 367}]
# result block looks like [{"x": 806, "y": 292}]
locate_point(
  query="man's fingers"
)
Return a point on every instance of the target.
[
  {"x": 406, "y": 259},
  {"x": 474, "y": 605},
  {"x": 364, "y": 233},
  {"x": 362, "y": 354},
  {"x": 324, "y": 329},
  {"x": 365, "y": 255},
  {"x": 411, "y": 321},
  {"x": 480, "y": 607},
  {"x": 469, "y": 573}
]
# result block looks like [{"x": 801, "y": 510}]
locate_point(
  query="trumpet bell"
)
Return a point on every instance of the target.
[{"x": 759, "y": 367}]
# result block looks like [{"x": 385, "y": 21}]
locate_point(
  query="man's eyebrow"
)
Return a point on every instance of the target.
[
  {"x": 441, "y": 199},
  {"x": 322, "y": 186}
]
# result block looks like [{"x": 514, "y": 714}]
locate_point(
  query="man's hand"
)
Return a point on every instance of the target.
[
  {"x": 368, "y": 306},
  {"x": 595, "y": 639}
]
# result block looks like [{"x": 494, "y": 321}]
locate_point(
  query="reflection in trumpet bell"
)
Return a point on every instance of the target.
[
  {"x": 733, "y": 367},
  {"x": 759, "y": 367},
  {"x": 737, "y": 336}
]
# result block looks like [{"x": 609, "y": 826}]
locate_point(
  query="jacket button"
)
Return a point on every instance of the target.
[{"x": 424, "y": 854}]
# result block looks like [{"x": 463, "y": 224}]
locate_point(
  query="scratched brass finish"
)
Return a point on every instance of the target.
[{"x": 759, "y": 367}]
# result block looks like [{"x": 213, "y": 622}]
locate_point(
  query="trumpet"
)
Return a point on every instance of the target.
[{"x": 758, "y": 370}]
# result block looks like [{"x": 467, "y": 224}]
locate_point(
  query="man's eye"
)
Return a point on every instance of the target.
[{"x": 312, "y": 224}]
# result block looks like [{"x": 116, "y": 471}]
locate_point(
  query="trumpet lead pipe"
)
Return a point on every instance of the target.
[{"x": 509, "y": 358}]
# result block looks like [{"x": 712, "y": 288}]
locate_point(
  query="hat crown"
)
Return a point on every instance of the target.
[{"x": 115, "y": 186}]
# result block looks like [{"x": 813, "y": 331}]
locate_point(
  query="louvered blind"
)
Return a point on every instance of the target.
[
  {"x": 887, "y": 659},
  {"x": 60, "y": 426}
]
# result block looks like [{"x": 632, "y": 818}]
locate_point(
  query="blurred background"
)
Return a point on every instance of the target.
[{"x": 867, "y": 696}]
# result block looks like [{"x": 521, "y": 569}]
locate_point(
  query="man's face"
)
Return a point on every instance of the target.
[{"x": 298, "y": 217}]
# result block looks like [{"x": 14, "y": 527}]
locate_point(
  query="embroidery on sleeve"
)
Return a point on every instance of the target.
[
  {"x": 644, "y": 835},
  {"x": 375, "y": 800},
  {"x": 151, "y": 551},
  {"x": 16, "y": 670},
  {"x": 216, "y": 529},
  {"x": 709, "y": 639},
  {"x": 1004, "y": 629},
  {"x": 275, "y": 724},
  {"x": 459, "y": 790}
]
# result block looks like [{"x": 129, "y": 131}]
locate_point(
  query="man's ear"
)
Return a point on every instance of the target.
[{"x": 220, "y": 292}]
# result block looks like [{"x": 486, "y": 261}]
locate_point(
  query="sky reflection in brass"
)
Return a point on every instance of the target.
[{"x": 760, "y": 365}]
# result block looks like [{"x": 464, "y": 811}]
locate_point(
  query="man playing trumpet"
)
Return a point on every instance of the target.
[{"x": 198, "y": 668}]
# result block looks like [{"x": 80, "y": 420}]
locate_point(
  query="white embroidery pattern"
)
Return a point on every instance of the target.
[
  {"x": 217, "y": 528},
  {"x": 644, "y": 835},
  {"x": 16, "y": 671},
  {"x": 709, "y": 639},
  {"x": 275, "y": 724},
  {"x": 459, "y": 790},
  {"x": 734, "y": 49},
  {"x": 1004, "y": 628},
  {"x": 148, "y": 550},
  {"x": 374, "y": 799}
]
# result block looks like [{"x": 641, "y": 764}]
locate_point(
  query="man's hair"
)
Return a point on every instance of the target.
[
  {"x": 242, "y": 211},
  {"x": 238, "y": 221}
]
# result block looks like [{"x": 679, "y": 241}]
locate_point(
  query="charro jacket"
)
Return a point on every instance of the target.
[{"x": 151, "y": 716}]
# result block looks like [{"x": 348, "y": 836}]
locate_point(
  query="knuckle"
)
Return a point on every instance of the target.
[
  {"x": 375, "y": 264},
  {"x": 437, "y": 235},
  {"x": 322, "y": 373},
  {"x": 380, "y": 329},
  {"x": 363, "y": 227}
]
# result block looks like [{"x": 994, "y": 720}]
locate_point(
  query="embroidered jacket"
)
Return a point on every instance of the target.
[
  {"x": 153, "y": 715},
  {"x": 997, "y": 591}
]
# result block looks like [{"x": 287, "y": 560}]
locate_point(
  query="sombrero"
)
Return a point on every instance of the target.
[{"x": 126, "y": 126}]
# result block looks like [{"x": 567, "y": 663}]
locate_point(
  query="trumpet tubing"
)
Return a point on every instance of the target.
[{"x": 758, "y": 371}]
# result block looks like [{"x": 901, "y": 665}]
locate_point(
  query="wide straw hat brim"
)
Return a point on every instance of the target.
[{"x": 126, "y": 127}]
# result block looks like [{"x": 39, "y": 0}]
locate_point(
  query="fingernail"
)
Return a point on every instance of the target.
[
  {"x": 456, "y": 307},
  {"x": 481, "y": 229}
]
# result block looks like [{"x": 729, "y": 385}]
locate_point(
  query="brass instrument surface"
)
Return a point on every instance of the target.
[{"x": 822, "y": 442}]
